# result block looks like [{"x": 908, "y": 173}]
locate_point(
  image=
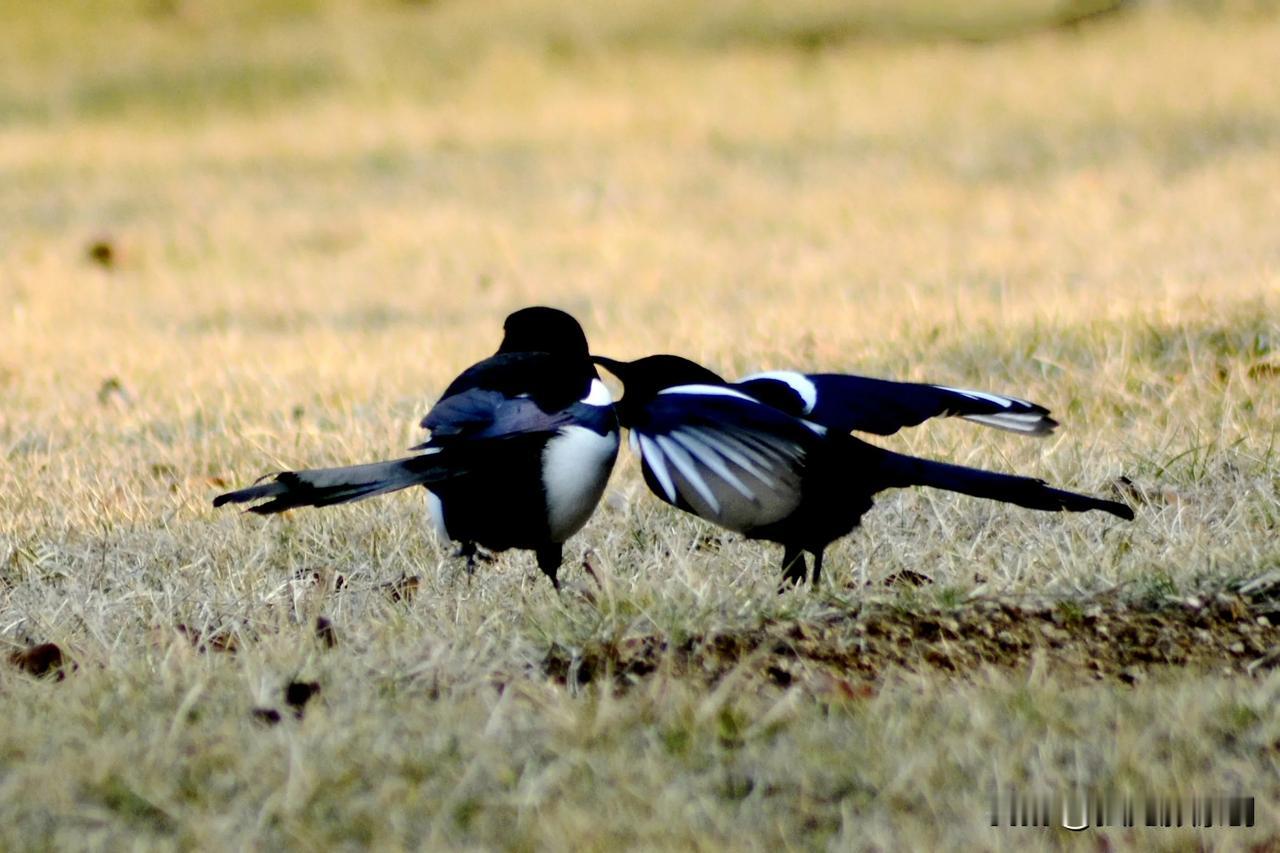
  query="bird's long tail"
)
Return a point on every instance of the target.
[
  {"x": 328, "y": 486},
  {"x": 1024, "y": 491}
]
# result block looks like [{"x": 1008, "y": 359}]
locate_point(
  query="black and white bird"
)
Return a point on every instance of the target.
[
  {"x": 521, "y": 447},
  {"x": 771, "y": 458}
]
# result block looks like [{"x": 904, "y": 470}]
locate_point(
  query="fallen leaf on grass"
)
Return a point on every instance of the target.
[
  {"x": 402, "y": 588},
  {"x": 334, "y": 580},
  {"x": 326, "y": 632},
  {"x": 298, "y": 693},
  {"x": 220, "y": 641},
  {"x": 851, "y": 691},
  {"x": 112, "y": 390},
  {"x": 909, "y": 577},
  {"x": 40, "y": 660},
  {"x": 102, "y": 251},
  {"x": 266, "y": 716},
  {"x": 1148, "y": 495},
  {"x": 778, "y": 675}
]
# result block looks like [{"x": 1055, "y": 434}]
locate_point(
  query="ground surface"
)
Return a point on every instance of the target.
[{"x": 244, "y": 237}]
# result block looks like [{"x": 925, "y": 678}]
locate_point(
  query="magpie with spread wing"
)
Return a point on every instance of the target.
[
  {"x": 521, "y": 447},
  {"x": 770, "y": 457}
]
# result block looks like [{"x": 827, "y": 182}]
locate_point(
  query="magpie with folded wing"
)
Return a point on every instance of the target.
[
  {"x": 712, "y": 449},
  {"x": 521, "y": 447}
]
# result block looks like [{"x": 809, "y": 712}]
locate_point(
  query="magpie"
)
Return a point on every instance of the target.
[
  {"x": 521, "y": 446},
  {"x": 771, "y": 459}
]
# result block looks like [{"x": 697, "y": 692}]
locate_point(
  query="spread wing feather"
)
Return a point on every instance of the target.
[
  {"x": 847, "y": 403},
  {"x": 730, "y": 460}
]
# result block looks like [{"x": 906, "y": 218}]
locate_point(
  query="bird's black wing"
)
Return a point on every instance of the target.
[
  {"x": 508, "y": 395},
  {"x": 846, "y": 403},
  {"x": 722, "y": 455},
  {"x": 479, "y": 415}
]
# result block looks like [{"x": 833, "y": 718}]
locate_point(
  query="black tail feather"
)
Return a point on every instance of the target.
[
  {"x": 1023, "y": 491},
  {"x": 328, "y": 486}
]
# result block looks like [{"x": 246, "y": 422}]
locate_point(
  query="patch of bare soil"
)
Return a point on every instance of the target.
[{"x": 1104, "y": 637}]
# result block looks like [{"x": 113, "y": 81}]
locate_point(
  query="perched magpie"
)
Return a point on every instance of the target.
[
  {"x": 771, "y": 458},
  {"x": 521, "y": 447}
]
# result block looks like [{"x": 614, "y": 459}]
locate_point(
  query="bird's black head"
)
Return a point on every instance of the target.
[
  {"x": 645, "y": 377},
  {"x": 540, "y": 329}
]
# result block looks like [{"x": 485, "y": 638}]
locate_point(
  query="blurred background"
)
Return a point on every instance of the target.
[{"x": 255, "y": 206}]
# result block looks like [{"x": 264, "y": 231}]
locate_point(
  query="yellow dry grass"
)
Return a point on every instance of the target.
[{"x": 319, "y": 213}]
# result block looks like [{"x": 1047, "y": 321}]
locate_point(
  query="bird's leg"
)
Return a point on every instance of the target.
[
  {"x": 549, "y": 558},
  {"x": 794, "y": 568},
  {"x": 473, "y": 554},
  {"x": 817, "y": 565},
  {"x": 468, "y": 550},
  {"x": 590, "y": 569}
]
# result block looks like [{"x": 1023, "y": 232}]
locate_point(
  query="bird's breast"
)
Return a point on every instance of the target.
[{"x": 576, "y": 463}]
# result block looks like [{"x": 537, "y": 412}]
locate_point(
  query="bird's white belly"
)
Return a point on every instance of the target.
[{"x": 575, "y": 468}]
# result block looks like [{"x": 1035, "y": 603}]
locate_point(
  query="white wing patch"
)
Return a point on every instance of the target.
[
  {"x": 658, "y": 465},
  {"x": 696, "y": 452},
  {"x": 1026, "y": 422},
  {"x": 819, "y": 429},
  {"x": 761, "y": 452},
  {"x": 684, "y": 464},
  {"x": 745, "y": 455},
  {"x": 1034, "y": 423},
  {"x": 1003, "y": 402},
  {"x": 738, "y": 479},
  {"x": 798, "y": 382},
  {"x": 708, "y": 456}
]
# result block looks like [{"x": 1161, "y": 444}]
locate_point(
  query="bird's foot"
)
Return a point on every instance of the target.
[{"x": 474, "y": 555}]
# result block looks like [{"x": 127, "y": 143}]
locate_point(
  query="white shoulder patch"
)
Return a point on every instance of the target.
[
  {"x": 708, "y": 391},
  {"x": 598, "y": 395},
  {"x": 798, "y": 382}
]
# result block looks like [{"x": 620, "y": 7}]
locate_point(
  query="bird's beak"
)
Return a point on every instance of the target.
[{"x": 617, "y": 368}]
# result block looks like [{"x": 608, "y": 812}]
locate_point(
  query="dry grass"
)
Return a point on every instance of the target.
[{"x": 235, "y": 241}]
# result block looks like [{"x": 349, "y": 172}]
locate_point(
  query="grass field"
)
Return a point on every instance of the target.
[{"x": 241, "y": 237}]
